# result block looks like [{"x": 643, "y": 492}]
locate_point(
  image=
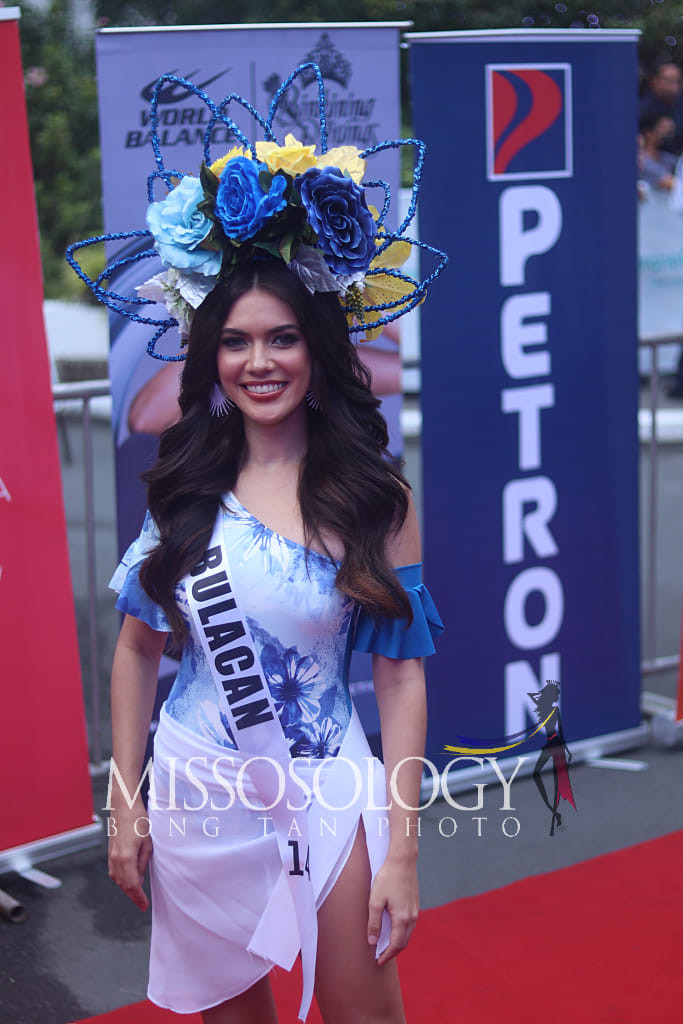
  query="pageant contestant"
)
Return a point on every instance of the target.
[{"x": 278, "y": 538}]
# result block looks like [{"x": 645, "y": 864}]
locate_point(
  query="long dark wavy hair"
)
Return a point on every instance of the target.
[{"x": 347, "y": 488}]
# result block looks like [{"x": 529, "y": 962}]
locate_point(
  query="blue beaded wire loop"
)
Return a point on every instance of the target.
[
  {"x": 125, "y": 305},
  {"x": 275, "y": 102}
]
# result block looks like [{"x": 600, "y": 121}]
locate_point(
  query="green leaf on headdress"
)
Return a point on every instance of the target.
[
  {"x": 269, "y": 247},
  {"x": 235, "y": 252},
  {"x": 265, "y": 180},
  {"x": 215, "y": 239},
  {"x": 289, "y": 183},
  {"x": 211, "y": 242},
  {"x": 308, "y": 235},
  {"x": 209, "y": 183},
  {"x": 206, "y": 206},
  {"x": 287, "y": 244},
  {"x": 208, "y": 179}
]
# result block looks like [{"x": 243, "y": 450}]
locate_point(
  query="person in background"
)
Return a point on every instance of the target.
[
  {"x": 665, "y": 98},
  {"x": 656, "y": 166}
]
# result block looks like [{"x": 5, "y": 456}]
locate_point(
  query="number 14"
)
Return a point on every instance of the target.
[{"x": 296, "y": 870}]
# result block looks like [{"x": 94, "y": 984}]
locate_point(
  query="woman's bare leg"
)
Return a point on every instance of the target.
[
  {"x": 255, "y": 1006},
  {"x": 349, "y": 986}
]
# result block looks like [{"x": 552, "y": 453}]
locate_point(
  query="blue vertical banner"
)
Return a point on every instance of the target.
[{"x": 529, "y": 377}]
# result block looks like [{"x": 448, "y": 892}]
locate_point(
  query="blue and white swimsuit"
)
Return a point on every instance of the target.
[{"x": 216, "y": 871}]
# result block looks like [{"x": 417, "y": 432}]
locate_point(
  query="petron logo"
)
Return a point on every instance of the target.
[{"x": 528, "y": 121}]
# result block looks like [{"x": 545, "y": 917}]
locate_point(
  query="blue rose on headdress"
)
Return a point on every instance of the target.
[
  {"x": 339, "y": 215},
  {"x": 179, "y": 228},
  {"x": 242, "y": 206}
]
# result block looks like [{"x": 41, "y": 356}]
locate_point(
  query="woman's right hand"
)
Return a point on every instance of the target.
[
  {"x": 130, "y": 848},
  {"x": 133, "y": 688}
]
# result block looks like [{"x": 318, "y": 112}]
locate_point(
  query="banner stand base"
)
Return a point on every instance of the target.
[
  {"x": 666, "y": 730},
  {"x": 23, "y": 858},
  {"x": 460, "y": 780}
]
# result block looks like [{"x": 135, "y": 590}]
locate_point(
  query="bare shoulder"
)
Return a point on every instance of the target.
[{"x": 404, "y": 546}]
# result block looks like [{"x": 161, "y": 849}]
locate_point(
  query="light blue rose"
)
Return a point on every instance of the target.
[
  {"x": 179, "y": 228},
  {"x": 338, "y": 213},
  {"x": 242, "y": 206}
]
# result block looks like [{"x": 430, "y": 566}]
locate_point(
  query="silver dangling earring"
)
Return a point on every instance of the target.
[
  {"x": 312, "y": 400},
  {"x": 219, "y": 403}
]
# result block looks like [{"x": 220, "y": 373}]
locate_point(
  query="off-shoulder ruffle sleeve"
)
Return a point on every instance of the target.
[
  {"x": 394, "y": 638},
  {"x": 133, "y": 600}
]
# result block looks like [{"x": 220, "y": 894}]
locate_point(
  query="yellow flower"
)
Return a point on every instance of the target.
[
  {"x": 218, "y": 166},
  {"x": 395, "y": 254},
  {"x": 393, "y": 257},
  {"x": 381, "y": 288},
  {"x": 346, "y": 158},
  {"x": 293, "y": 158}
]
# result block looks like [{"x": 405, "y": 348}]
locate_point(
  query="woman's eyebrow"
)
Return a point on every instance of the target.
[
  {"x": 285, "y": 327},
  {"x": 273, "y": 330}
]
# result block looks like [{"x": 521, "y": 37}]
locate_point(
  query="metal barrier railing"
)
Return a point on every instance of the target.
[
  {"x": 650, "y": 664},
  {"x": 78, "y": 396},
  {"x": 70, "y": 396}
]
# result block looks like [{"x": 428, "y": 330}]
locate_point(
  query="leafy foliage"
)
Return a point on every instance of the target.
[
  {"x": 61, "y": 97},
  {"x": 659, "y": 20}
]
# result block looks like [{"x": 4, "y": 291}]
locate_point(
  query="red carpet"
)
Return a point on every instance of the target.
[{"x": 597, "y": 943}]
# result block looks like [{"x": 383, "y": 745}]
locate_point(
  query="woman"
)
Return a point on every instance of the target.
[
  {"x": 279, "y": 537},
  {"x": 315, "y": 523}
]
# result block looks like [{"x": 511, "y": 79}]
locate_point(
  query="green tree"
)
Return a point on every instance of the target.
[
  {"x": 659, "y": 21},
  {"x": 61, "y": 97}
]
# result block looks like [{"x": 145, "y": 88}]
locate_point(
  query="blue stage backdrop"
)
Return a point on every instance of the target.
[{"x": 529, "y": 377}]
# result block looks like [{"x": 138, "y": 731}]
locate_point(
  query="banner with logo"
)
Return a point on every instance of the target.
[
  {"x": 360, "y": 68},
  {"x": 44, "y": 779},
  {"x": 529, "y": 377}
]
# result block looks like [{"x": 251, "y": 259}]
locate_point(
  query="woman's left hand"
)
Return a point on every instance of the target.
[{"x": 395, "y": 889}]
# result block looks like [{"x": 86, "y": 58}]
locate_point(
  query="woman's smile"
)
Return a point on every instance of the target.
[{"x": 268, "y": 389}]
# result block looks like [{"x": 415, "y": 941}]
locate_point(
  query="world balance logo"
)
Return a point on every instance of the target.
[{"x": 528, "y": 121}]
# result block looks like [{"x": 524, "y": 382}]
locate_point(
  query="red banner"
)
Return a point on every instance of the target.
[{"x": 44, "y": 780}]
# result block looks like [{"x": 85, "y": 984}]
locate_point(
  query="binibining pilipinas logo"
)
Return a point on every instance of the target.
[
  {"x": 528, "y": 121},
  {"x": 351, "y": 118},
  {"x": 546, "y": 708}
]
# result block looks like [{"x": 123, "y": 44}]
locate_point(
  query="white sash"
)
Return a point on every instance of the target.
[{"x": 245, "y": 699}]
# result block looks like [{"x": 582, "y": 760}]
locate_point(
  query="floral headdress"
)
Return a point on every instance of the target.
[{"x": 266, "y": 199}]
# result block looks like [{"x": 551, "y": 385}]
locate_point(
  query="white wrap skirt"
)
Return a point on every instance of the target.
[{"x": 222, "y": 912}]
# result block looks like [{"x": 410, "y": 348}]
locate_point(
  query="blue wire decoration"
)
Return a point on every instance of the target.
[{"x": 266, "y": 199}]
